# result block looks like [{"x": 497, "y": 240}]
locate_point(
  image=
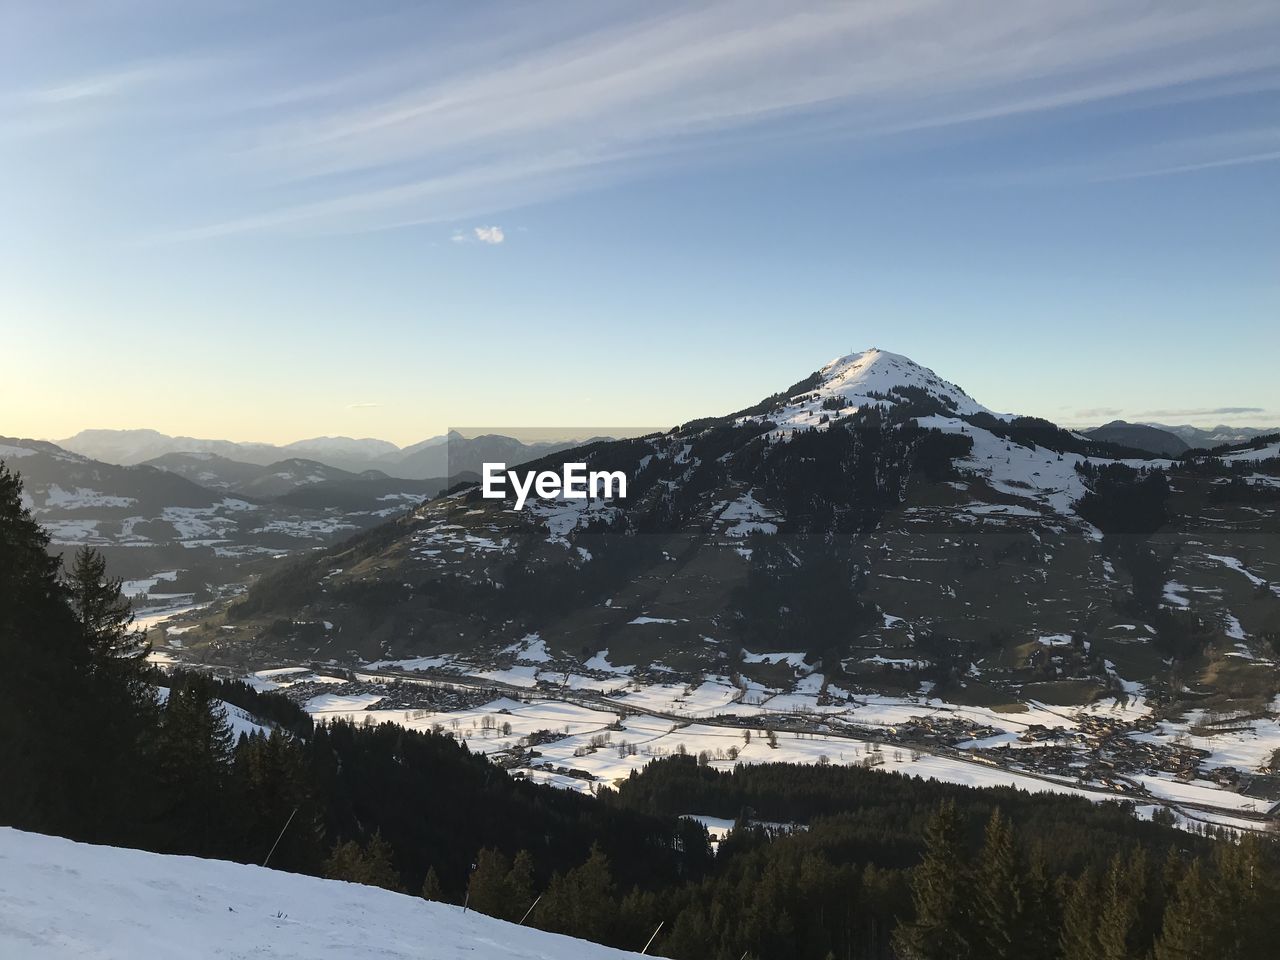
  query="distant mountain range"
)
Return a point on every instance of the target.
[
  {"x": 450, "y": 455},
  {"x": 1141, "y": 436},
  {"x": 194, "y": 523},
  {"x": 274, "y": 479},
  {"x": 1173, "y": 441},
  {"x": 209, "y": 516},
  {"x": 228, "y": 464},
  {"x": 1218, "y": 436}
]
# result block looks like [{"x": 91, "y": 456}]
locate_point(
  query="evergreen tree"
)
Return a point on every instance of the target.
[
  {"x": 194, "y": 752},
  {"x": 431, "y": 889},
  {"x": 1189, "y": 921},
  {"x": 271, "y": 792},
  {"x": 487, "y": 889},
  {"x": 1242, "y": 894},
  {"x": 1122, "y": 887},
  {"x": 941, "y": 927},
  {"x": 371, "y": 864},
  {"x": 998, "y": 893},
  {"x": 70, "y": 753},
  {"x": 580, "y": 903},
  {"x": 379, "y": 865},
  {"x": 1041, "y": 910},
  {"x": 520, "y": 884},
  {"x": 104, "y": 612},
  {"x": 1079, "y": 937},
  {"x": 44, "y": 663}
]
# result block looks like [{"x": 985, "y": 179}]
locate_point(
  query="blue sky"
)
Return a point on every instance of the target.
[{"x": 270, "y": 221}]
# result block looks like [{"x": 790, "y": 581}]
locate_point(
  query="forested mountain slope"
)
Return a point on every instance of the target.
[{"x": 873, "y": 518}]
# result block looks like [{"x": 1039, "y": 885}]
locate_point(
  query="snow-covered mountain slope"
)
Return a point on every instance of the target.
[
  {"x": 158, "y": 524},
  {"x": 871, "y": 378},
  {"x": 944, "y": 541},
  {"x": 857, "y": 376},
  {"x": 61, "y": 900}
]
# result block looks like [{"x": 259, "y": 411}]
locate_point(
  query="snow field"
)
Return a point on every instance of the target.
[{"x": 61, "y": 900}]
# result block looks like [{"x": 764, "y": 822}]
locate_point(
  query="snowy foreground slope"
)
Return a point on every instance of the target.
[{"x": 71, "y": 900}]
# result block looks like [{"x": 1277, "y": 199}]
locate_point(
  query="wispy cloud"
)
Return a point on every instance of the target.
[
  {"x": 1270, "y": 156},
  {"x": 1094, "y": 413},
  {"x": 363, "y": 406},
  {"x": 1205, "y": 412},
  {"x": 371, "y": 134},
  {"x": 1245, "y": 146}
]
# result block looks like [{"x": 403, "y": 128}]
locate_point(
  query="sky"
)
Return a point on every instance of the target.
[{"x": 269, "y": 221}]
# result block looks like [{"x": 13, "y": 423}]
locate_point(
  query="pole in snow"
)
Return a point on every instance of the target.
[
  {"x": 467, "y": 897},
  {"x": 651, "y": 939},
  {"x": 281, "y": 837},
  {"x": 529, "y": 911}
]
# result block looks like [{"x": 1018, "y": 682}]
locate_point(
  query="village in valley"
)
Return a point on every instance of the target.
[{"x": 585, "y": 729}]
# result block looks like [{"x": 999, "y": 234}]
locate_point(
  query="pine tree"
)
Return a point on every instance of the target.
[
  {"x": 1171, "y": 874},
  {"x": 1118, "y": 922},
  {"x": 194, "y": 753},
  {"x": 431, "y": 889},
  {"x": 520, "y": 884},
  {"x": 270, "y": 791},
  {"x": 1079, "y": 937},
  {"x": 998, "y": 904},
  {"x": 580, "y": 903},
  {"x": 1189, "y": 921},
  {"x": 105, "y": 613},
  {"x": 76, "y": 770},
  {"x": 1041, "y": 918},
  {"x": 1242, "y": 894},
  {"x": 941, "y": 927},
  {"x": 379, "y": 868},
  {"x": 371, "y": 864},
  {"x": 44, "y": 663},
  {"x": 346, "y": 862},
  {"x": 487, "y": 886}
]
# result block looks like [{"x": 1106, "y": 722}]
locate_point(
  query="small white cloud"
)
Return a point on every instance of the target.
[
  {"x": 490, "y": 235},
  {"x": 363, "y": 406}
]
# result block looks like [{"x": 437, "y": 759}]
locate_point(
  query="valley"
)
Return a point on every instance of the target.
[
  {"x": 870, "y": 568},
  {"x": 586, "y": 732},
  {"x": 181, "y": 537},
  {"x": 987, "y": 599}
]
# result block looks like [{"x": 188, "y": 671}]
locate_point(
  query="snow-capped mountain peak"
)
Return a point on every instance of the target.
[
  {"x": 860, "y": 378},
  {"x": 871, "y": 378}
]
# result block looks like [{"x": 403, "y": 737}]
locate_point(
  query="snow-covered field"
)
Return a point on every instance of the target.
[
  {"x": 590, "y": 736},
  {"x": 61, "y": 900}
]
